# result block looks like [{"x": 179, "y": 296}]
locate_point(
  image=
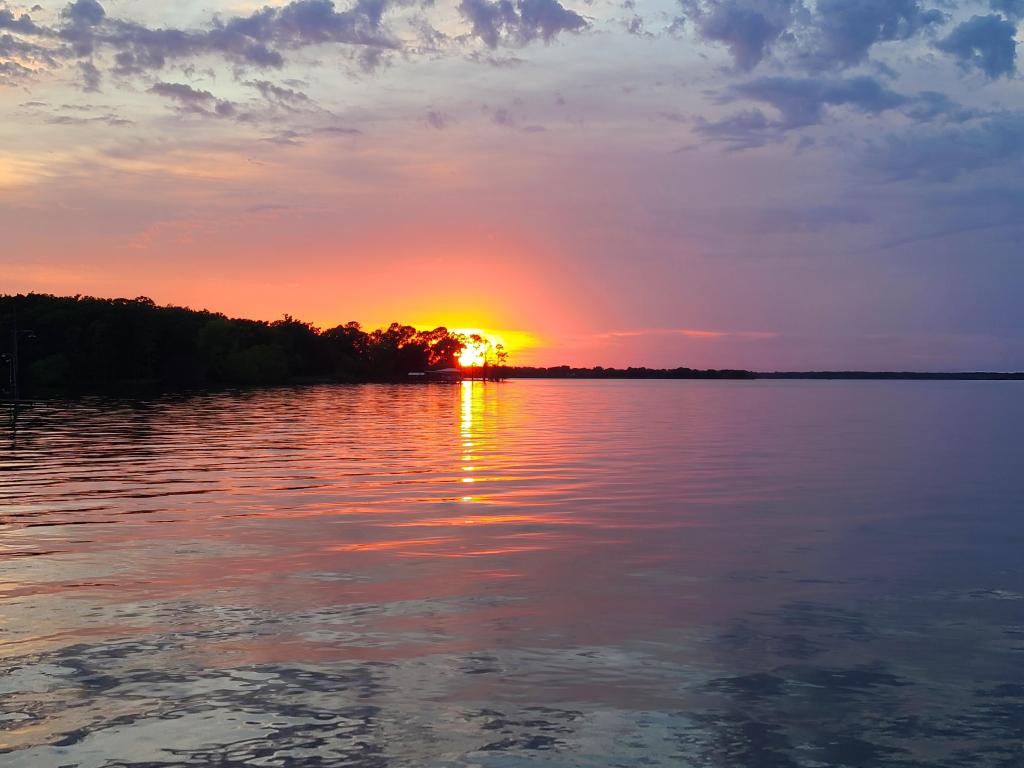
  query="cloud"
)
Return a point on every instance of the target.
[
  {"x": 517, "y": 22},
  {"x": 744, "y": 130},
  {"x": 802, "y": 101},
  {"x": 949, "y": 152},
  {"x": 932, "y": 105},
  {"x": 292, "y": 138},
  {"x": 21, "y": 59},
  {"x": 635, "y": 26},
  {"x": 86, "y": 13},
  {"x": 259, "y": 39},
  {"x": 1013, "y": 9},
  {"x": 286, "y": 139},
  {"x": 437, "y": 120},
  {"x": 311, "y": 22},
  {"x": 110, "y": 119},
  {"x": 80, "y": 19},
  {"x": 826, "y": 35},
  {"x": 264, "y": 37},
  {"x": 503, "y": 117},
  {"x": 498, "y": 62},
  {"x": 11, "y": 71},
  {"x": 193, "y": 101},
  {"x": 983, "y": 42},
  {"x": 846, "y": 30},
  {"x": 91, "y": 76},
  {"x": 289, "y": 98},
  {"x": 21, "y": 24},
  {"x": 139, "y": 48},
  {"x": 337, "y": 130},
  {"x": 748, "y": 28}
]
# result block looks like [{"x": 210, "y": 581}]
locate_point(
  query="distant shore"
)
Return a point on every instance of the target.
[
  {"x": 69, "y": 345},
  {"x": 149, "y": 388},
  {"x": 897, "y": 375},
  {"x": 566, "y": 372}
]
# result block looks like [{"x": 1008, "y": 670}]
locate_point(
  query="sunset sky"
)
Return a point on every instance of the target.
[{"x": 767, "y": 184}]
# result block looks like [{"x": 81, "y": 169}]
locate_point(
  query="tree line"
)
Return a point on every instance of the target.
[
  {"x": 82, "y": 343},
  {"x": 600, "y": 372}
]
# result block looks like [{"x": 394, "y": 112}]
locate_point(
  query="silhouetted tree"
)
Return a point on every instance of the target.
[{"x": 86, "y": 344}]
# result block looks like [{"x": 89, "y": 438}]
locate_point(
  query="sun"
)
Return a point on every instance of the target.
[
  {"x": 474, "y": 354},
  {"x": 478, "y": 353}
]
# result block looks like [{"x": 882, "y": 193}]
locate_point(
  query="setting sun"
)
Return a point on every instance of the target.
[
  {"x": 475, "y": 353},
  {"x": 478, "y": 344},
  {"x": 472, "y": 356},
  {"x": 518, "y": 345}
]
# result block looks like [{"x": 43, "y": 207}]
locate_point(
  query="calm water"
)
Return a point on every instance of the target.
[{"x": 526, "y": 574}]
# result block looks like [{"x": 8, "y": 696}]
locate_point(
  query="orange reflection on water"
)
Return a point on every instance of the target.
[
  {"x": 379, "y": 546},
  {"x": 478, "y": 552},
  {"x": 469, "y": 388},
  {"x": 482, "y": 520}
]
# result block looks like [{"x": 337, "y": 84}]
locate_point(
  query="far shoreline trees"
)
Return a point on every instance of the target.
[
  {"x": 81, "y": 344},
  {"x": 87, "y": 344}
]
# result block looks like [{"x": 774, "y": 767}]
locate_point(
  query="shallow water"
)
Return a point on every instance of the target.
[{"x": 532, "y": 573}]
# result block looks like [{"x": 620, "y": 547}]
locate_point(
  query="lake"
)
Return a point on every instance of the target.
[{"x": 530, "y": 573}]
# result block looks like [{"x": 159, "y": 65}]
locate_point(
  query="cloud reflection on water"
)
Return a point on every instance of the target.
[{"x": 672, "y": 571}]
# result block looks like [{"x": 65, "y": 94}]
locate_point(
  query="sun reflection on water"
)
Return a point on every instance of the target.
[{"x": 470, "y": 391}]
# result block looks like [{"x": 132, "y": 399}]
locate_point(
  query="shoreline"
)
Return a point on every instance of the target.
[{"x": 144, "y": 390}]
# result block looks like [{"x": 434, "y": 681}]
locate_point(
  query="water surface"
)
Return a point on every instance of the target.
[{"x": 532, "y": 573}]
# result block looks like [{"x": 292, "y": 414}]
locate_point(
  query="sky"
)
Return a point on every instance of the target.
[{"x": 763, "y": 184}]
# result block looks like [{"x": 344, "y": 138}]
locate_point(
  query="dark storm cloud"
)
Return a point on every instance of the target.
[
  {"x": 517, "y": 22},
  {"x": 985, "y": 43},
  {"x": 748, "y": 28},
  {"x": 946, "y": 153}
]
